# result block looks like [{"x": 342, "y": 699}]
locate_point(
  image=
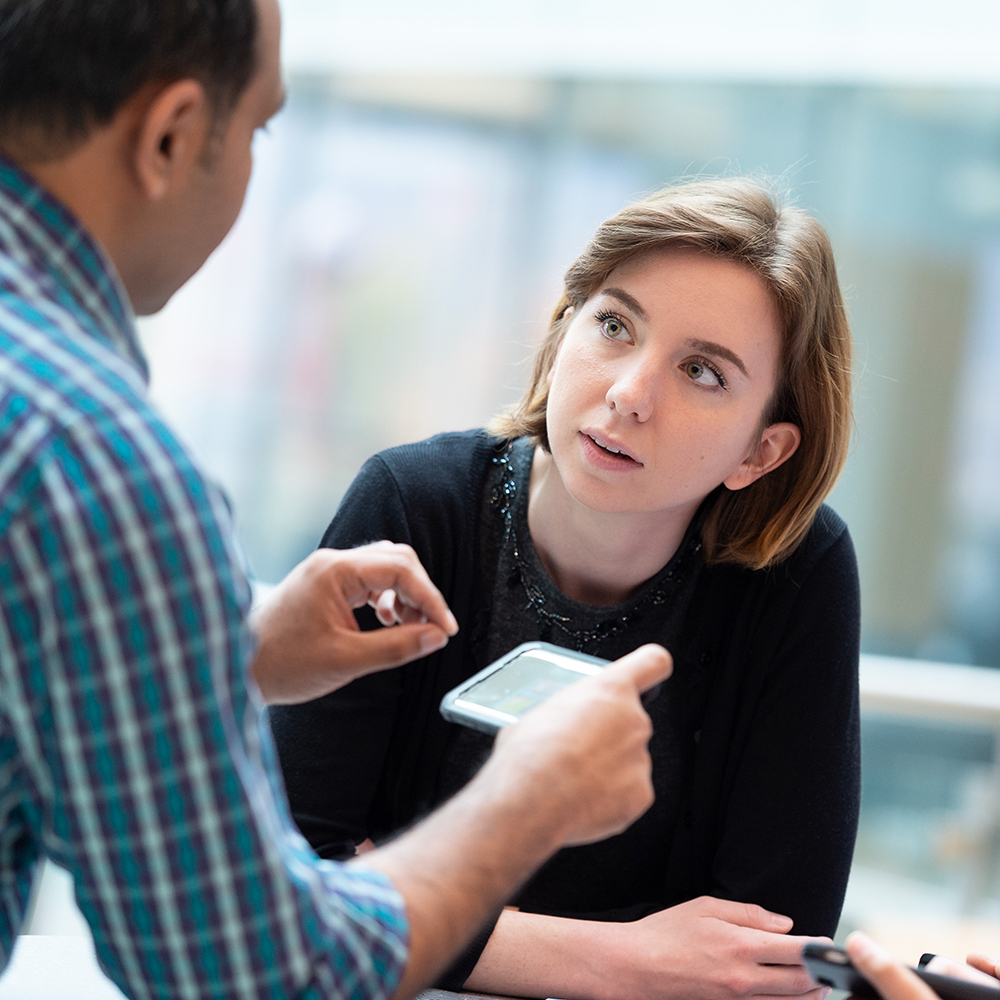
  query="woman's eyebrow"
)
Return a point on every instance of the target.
[
  {"x": 710, "y": 347},
  {"x": 622, "y": 296}
]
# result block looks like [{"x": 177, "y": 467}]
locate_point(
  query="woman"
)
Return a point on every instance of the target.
[{"x": 661, "y": 480}]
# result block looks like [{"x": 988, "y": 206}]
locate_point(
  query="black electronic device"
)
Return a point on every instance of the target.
[{"x": 832, "y": 967}]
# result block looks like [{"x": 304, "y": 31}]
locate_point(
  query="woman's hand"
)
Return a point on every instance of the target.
[
  {"x": 714, "y": 949},
  {"x": 705, "y": 949},
  {"x": 896, "y": 982}
]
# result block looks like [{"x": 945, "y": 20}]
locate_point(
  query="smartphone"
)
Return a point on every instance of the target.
[
  {"x": 832, "y": 967},
  {"x": 525, "y": 677}
]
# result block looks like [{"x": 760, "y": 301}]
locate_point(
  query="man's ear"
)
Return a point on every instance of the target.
[
  {"x": 777, "y": 444},
  {"x": 171, "y": 137}
]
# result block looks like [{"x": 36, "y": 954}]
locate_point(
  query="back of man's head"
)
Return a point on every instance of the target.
[{"x": 67, "y": 66}]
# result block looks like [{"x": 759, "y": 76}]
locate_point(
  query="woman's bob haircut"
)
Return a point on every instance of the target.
[{"x": 737, "y": 219}]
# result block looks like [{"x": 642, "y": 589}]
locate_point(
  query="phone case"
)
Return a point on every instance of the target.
[
  {"x": 832, "y": 967},
  {"x": 453, "y": 709}
]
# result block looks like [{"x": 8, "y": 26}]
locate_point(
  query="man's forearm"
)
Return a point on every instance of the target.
[
  {"x": 572, "y": 771},
  {"x": 458, "y": 866}
]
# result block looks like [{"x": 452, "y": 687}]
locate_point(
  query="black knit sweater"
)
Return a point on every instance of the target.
[{"x": 765, "y": 692}]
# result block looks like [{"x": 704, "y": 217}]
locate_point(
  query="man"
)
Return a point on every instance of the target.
[
  {"x": 895, "y": 982},
  {"x": 132, "y": 747}
]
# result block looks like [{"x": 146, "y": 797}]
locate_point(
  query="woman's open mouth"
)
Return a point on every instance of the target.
[{"x": 606, "y": 454}]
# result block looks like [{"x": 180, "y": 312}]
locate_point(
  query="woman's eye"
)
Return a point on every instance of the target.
[
  {"x": 613, "y": 328},
  {"x": 699, "y": 372}
]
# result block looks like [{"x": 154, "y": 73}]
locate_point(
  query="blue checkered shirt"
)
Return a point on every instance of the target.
[{"x": 133, "y": 752}]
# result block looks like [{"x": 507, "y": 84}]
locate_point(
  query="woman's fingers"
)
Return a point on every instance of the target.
[
  {"x": 815, "y": 993},
  {"x": 783, "y": 980},
  {"x": 784, "y": 949},
  {"x": 892, "y": 979},
  {"x": 747, "y": 915}
]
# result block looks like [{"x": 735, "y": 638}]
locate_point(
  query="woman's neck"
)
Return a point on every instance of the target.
[{"x": 594, "y": 557}]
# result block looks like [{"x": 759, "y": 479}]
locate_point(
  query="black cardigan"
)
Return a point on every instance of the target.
[{"x": 767, "y": 663}]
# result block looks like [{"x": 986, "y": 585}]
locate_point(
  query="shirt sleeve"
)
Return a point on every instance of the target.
[
  {"x": 792, "y": 812},
  {"x": 124, "y": 653}
]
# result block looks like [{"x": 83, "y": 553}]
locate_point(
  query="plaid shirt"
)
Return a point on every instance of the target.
[{"x": 133, "y": 752}]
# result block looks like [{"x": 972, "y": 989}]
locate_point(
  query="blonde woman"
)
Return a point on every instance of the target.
[{"x": 661, "y": 480}]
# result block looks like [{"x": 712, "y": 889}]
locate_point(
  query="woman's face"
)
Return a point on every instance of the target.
[{"x": 659, "y": 386}]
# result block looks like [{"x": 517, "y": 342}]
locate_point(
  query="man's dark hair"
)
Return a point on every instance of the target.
[{"x": 67, "y": 66}]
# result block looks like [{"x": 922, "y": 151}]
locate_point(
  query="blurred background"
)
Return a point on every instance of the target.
[{"x": 441, "y": 162}]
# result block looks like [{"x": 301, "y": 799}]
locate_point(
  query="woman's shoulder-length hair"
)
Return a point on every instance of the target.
[{"x": 740, "y": 220}]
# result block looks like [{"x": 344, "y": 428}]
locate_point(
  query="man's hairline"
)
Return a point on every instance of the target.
[{"x": 63, "y": 143}]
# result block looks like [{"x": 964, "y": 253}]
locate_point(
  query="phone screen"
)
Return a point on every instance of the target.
[{"x": 521, "y": 684}]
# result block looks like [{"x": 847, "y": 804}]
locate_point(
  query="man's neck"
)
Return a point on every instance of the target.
[
  {"x": 81, "y": 182},
  {"x": 595, "y": 557}
]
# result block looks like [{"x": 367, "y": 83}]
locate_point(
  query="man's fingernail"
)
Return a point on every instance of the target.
[
  {"x": 452, "y": 623},
  {"x": 431, "y": 642}
]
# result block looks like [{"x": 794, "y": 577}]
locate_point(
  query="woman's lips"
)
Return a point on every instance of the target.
[{"x": 602, "y": 458}]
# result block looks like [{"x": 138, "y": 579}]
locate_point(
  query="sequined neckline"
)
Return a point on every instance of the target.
[{"x": 503, "y": 500}]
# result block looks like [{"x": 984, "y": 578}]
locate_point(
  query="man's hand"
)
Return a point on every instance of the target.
[
  {"x": 979, "y": 968},
  {"x": 896, "y": 982},
  {"x": 573, "y": 770},
  {"x": 981, "y": 963},
  {"x": 585, "y": 750},
  {"x": 309, "y": 640}
]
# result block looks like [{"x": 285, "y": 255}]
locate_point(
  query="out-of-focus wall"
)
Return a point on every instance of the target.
[
  {"x": 404, "y": 239},
  {"x": 440, "y": 164},
  {"x": 792, "y": 41}
]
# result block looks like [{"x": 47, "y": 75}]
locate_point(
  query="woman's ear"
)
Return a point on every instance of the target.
[
  {"x": 566, "y": 313},
  {"x": 777, "y": 444}
]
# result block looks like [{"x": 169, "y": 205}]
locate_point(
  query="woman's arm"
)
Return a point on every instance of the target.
[
  {"x": 789, "y": 815},
  {"x": 786, "y": 840},
  {"x": 705, "y": 949}
]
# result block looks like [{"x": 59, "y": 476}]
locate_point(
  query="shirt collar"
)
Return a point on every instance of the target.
[{"x": 48, "y": 236}]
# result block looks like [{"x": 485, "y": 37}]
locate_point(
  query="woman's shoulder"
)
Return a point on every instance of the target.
[
  {"x": 434, "y": 487},
  {"x": 827, "y": 537},
  {"x": 443, "y": 461},
  {"x": 826, "y": 551},
  {"x": 426, "y": 494},
  {"x": 811, "y": 600},
  {"x": 827, "y": 540}
]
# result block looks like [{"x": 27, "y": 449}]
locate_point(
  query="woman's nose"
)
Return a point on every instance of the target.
[{"x": 633, "y": 392}]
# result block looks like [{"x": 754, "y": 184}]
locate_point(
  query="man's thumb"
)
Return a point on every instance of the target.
[
  {"x": 382, "y": 648},
  {"x": 643, "y": 667}
]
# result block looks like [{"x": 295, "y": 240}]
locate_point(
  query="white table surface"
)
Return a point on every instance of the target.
[{"x": 50, "y": 967}]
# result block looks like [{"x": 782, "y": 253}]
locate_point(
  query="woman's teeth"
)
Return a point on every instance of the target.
[{"x": 610, "y": 450}]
